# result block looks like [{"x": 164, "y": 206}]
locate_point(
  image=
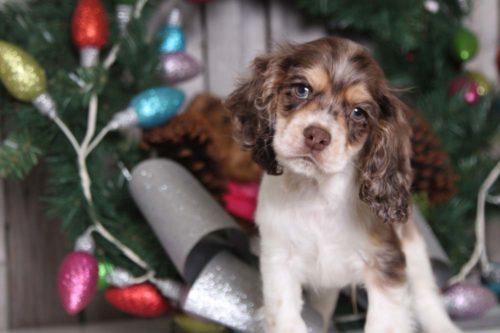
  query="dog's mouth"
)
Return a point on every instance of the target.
[{"x": 307, "y": 159}]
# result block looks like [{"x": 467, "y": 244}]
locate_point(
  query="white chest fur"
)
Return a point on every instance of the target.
[{"x": 316, "y": 227}]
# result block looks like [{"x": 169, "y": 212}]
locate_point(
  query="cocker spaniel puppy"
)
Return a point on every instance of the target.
[{"x": 335, "y": 205}]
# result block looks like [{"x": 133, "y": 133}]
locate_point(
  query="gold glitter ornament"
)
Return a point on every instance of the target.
[{"x": 20, "y": 73}]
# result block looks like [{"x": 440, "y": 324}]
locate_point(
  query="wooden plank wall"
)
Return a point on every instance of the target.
[{"x": 225, "y": 35}]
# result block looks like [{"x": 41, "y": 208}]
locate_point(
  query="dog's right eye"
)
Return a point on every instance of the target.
[{"x": 301, "y": 91}]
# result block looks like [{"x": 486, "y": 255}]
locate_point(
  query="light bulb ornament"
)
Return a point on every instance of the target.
[
  {"x": 150, "y": 108},
  {"x": 89, "y": 29},
  {"x": 172, "y": 37},
  {"x": 25, "y": 79}
]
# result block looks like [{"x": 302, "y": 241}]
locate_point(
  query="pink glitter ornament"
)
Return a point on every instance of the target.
[
  {"x": 470, "y": 88},
  {"x": 77, "y": 281},
  {"x": 178, "y": 66},
  {"x": 468, "y": 300},
  {"x": 241, "y": 199}
]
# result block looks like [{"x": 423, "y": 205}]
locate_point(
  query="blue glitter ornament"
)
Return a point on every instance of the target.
[
  {"x": 172, "y": 37},
  {"x": 157, "y": 105}
]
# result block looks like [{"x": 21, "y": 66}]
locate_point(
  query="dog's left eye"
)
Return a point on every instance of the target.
[
  {"x": 301, "y": 91},
  {"x": 358, "y": 113}
]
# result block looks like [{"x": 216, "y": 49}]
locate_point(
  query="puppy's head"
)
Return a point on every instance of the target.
[{"x": 315, "y": 108}]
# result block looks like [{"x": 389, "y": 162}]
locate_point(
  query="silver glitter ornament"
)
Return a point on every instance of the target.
[
  {"x": 89, "y": 56},
  {"x": 121, "y": 278},
  {"x": 229, "y": 292},
  {"x": 123, "y": 16},
  {"x": 181, "y": 212},
  {"x": 175, "y": 17},
  {"x": 124, "y": 119},
  {"x": 493, "y": 275},
  {"x": 468, "y": 300},
  {"x": 85, "y": 243},
  {"x": 46, "y": 105}
]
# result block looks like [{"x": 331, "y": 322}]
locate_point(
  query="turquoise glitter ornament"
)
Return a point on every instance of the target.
[
  {"x": 155, "y": 106},
  {"x": 172, "y": 37}
]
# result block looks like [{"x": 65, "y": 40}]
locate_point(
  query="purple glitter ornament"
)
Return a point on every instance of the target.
[
  {"x": 468, "y": 300},
  {"x": 77, "y": 281},
  {"x": 178, "y": 66}
]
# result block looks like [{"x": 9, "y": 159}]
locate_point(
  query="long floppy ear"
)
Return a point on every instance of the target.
[
  {"x": 386, "y": 174},
  {"x": 251, "y": 106}
]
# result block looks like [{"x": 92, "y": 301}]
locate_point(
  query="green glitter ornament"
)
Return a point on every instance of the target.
[
  {"x": 465, "y": 45},
  {"x": 105, "y": 268}
]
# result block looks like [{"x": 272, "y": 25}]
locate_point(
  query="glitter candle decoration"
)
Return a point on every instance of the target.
[
  {"x": 181, "y": 212},
  {"x": 24, "y": 79},
  {"x": 228, "y": 292},
  {"x": 89, "y": 29}
]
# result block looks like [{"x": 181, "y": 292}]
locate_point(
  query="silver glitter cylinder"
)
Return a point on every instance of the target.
[
  {"x": 180, "y": 211},
  {"x": 89, "y": 56},
  {"x": 46, "y": 105},
  {"x": 169, "y": 288},
  {"x": 123, "y": 16},
  {"x": 229, "y": 292}
]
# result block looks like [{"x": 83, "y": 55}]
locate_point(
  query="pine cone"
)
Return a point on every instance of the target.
[
  {"x": 201, "y": 140},
  {"x": 433, "y": 172}
]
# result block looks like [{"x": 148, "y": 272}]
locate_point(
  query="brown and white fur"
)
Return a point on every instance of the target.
[{"x": 334, "y": 208}]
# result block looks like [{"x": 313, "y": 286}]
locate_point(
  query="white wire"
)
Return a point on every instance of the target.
[
  {"x": 100, "y": 136},
  {"x": 69, "y": 135},
  {"x": 82, "y": 150},
  {"x": 479, "y": 253}
]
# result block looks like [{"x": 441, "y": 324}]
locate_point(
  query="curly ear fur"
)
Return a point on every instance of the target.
[
  {"x": 386, "y": 176},
  {"x": 251, "y": 104}
]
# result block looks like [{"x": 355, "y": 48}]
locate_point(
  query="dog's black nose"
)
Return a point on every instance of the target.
[{"x": 316, "y": 138}]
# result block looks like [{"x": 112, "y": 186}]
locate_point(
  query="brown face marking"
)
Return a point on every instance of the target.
[
  {"x": 356, "y": 94},
  {"x": 318, "y": 77}
]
